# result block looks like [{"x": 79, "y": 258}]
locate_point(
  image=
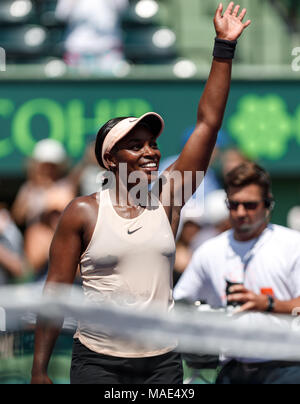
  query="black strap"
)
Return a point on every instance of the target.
[
  {"x": 271, "y": 304},
  {"x": 224, "y": 49}
]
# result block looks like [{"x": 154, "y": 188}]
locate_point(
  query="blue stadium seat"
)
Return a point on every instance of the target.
[
  {"x": 24, "y": 40},
  {"x": 17, "y": 12},
  {"x": 130, "y": 19},
  {"x": 140, "y": 48},
  {"x": 139, "y": 33},
  {"x": 46, "y": 11}
]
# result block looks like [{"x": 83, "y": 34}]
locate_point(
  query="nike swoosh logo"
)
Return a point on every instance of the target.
[{"x": 134, "y": 231}]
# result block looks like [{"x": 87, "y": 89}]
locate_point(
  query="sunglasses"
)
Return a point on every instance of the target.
[{"x": 234, "y": 205}]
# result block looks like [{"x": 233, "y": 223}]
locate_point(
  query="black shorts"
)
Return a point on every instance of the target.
[{"x": 89, "y": 367}]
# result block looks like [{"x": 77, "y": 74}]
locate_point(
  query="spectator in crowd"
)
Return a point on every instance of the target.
[
  {"x": 261, "y": 259},
  {"x": 45, "y": 177},
  {"x": 41, "y": 233},
  {"x": 86, "y": 175},
  {"x": 198, "y": 226},
  {"x": 93, "y": 39},
  {"x": 11, "y": 249},
  {"x": 231, "y": 158},
  {"x": 215, "y": 218},
  {"x": 293, "y": 218},
  {"x": 190, "y": 227}
]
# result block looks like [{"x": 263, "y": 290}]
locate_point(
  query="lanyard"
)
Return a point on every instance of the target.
[
  {"x": 249, "y": 256},
  {"x": 251, "y": 253}
]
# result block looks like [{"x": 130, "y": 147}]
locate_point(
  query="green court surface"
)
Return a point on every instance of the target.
[
  {"x": 16, "y": 356},
  {"x": 199, "y": 376}
]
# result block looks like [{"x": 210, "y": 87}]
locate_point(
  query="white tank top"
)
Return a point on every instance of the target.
[{"x": 128, "y": 262}]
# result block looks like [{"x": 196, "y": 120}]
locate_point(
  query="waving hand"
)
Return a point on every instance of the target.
[{"x": 230, "y": 25}]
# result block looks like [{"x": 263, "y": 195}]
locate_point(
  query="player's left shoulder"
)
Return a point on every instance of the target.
[{"x": 285, "y": 235}]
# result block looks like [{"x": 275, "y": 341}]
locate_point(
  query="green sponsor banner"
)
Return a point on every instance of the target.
[{"x": 262, "y": 118}]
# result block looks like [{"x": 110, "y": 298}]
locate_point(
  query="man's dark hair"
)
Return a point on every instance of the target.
[{"x": 249, "y": 173}]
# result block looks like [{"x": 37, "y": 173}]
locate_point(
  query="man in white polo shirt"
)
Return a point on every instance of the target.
[{"x": 262, "y": 260}]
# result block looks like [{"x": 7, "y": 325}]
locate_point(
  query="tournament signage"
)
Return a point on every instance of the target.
[
  {"x": 66, "y": 122},
  {"x": 262, "y": 118}
]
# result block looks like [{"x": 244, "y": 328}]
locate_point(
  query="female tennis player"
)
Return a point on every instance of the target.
[{"x": 126, "y": 248}]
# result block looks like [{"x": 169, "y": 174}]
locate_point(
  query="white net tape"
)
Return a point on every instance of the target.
[{"x": 252, "y": 335}]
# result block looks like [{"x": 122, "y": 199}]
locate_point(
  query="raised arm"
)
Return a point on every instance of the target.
[
  {"x": 65, "y": 254},
  {"x": 197, "y": 152}
]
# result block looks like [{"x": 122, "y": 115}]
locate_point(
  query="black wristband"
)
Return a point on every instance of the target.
[
  {"x": 271, "y": 304},
  {"x": 224, "y": 49}
]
